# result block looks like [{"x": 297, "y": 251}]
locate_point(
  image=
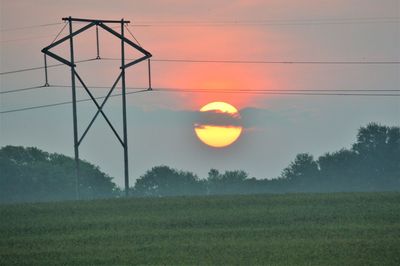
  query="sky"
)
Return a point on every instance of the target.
[{"x": 160, "y": 124}]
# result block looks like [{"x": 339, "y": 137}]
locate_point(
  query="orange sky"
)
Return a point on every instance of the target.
[
  {"x": 214, "y": 43},
  {"x": 225, "y": 42}
]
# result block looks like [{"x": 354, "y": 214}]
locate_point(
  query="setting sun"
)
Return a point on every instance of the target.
[{"x": 218, "y": 136}]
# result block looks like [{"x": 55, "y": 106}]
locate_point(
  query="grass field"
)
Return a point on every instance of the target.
[{"x": 292, "y": 229}]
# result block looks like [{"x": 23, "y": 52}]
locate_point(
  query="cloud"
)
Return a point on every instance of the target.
[
  {"x": 249, "y": 118},
  {"x": 259, "y": 117},
  {"x": 215, "y": 118}
]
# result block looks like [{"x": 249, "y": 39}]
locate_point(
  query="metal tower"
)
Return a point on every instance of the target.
[{"x": 121, "y": 77}]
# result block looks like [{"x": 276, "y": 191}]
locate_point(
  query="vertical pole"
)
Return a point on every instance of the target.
[
  {"x": 97, "y": 42},
  {"x": 75, "y": 120},
  {"x": 46, "y": 82},
  {"x": 149, "y": 71},
  {"x": 126, "y": 168}
]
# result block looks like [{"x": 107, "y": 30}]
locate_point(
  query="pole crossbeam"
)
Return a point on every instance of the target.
[
  {"x": 121, "y": 78},
  {"x": 94, "y": 20}
]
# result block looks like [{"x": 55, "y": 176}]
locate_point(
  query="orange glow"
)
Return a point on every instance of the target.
[{"x": 218, "y": 136}]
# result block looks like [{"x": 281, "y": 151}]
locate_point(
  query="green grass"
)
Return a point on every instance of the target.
[{"x": 292, "y": 229}]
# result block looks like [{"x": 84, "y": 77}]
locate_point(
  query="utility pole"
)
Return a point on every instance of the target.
[
  {"x": 121, "y": 77},
  {"x": 126, "y": 168},
  {"x": 74, "y": 114}
]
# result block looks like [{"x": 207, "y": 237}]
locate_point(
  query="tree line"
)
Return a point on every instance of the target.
[
  {"x": 30, "y": 174},
  {"x": 371, "y": 164}
]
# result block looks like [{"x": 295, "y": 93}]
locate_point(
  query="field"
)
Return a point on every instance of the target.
[{"x": 291, "y": 229}]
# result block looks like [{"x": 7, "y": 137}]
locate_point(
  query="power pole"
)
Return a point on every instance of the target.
[
  {"x": 74, "y": 114},
  {"x": 121, "y": 77},
  {"x": 126, "y": 169}
]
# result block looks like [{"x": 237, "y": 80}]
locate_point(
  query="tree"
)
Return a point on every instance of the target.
[
  {"x": 231, "y": 182},
  {"x": 302, "y": 174},
  {"x": 29, "y": 174},
  {"x": 338, "y": 171},
  {"x": 378, "y": 150},
  {"x": 165, "y": 181}
]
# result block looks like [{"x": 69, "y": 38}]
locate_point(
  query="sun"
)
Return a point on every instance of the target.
[{"x": 218, "y": 136}]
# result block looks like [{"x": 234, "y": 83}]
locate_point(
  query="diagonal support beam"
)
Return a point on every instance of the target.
[
  {"x": 68, "y": 37},
  {"x": 99, "y": 108},
  {"x": 88, "y": 26},
  {"x": 98, "y": 111},
  {"x": 59, "y": 58},
  {"x": 146, "y": 54}
]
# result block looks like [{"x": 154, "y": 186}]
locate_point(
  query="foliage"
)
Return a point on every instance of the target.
[
  {"x": 29, "y": 174},
  {"x": 301, "y": 173},
  {"x": 164, "y": 181}
]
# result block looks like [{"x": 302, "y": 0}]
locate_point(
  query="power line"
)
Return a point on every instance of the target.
[
  {"x": 267, "y": 22},
  {"x": 94, "y": 87},
  {"x": 64, "y": 103},
  {"x": 38, "y": 37},
  {"x": 24, "y": 89},
  {"x": 273, "y": 20},
  {"x": 60, "y": 86},
  {"x": 26, "y": 39},
  {"x": 277, "y": 92},
  {"x": 238, "y": 22},
  {"x": 203, "y": 91},
  {"x": 42, "y": 67},
  {"x": 32, "y": 26},
  {"x": 213, "y": 90},
  {"x": 364, "y": 62},
  {"x": 58, "y": 34},
  {"x": 278, "y": 62},
  {"x": 133, "y": 36}
]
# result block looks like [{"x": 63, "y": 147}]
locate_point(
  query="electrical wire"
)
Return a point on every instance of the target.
[
  {"x": 66, "y": 102},
  {"x": 366, "y": 62},
  {"x": 138, "y": 43},
  {"x": 238, "y": 22},
  {"x": 212, "y": 90},
  {"x": 42, "y": 67},
  {"x": 278, "y": 62},
  {"x": 24, "y": 89},
  {"x": 273, "y": 20},
  {"x": 32, "y": 26},
  {"x": 58, "y": 34},
  {"x": 292, "y": 92},
  {"x": 26, "y": 39},
  {"x": 202, "y": 91},
  {"x": 60, "y": 86},
  {"x": 270, "y": 22}
]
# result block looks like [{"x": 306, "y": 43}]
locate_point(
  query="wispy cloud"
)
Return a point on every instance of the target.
[{"x": 248, "y": 118}]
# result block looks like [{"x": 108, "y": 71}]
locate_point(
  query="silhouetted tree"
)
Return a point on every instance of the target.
[
  {"x": 231, "y": 182},
  {"x": 301, "y": 174},
  {"x": 29, "y": 174},
  {"x": 164, "y": 181},
  {"x": 378, "y": 150},
  {"x": 338, "y": 172}
]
